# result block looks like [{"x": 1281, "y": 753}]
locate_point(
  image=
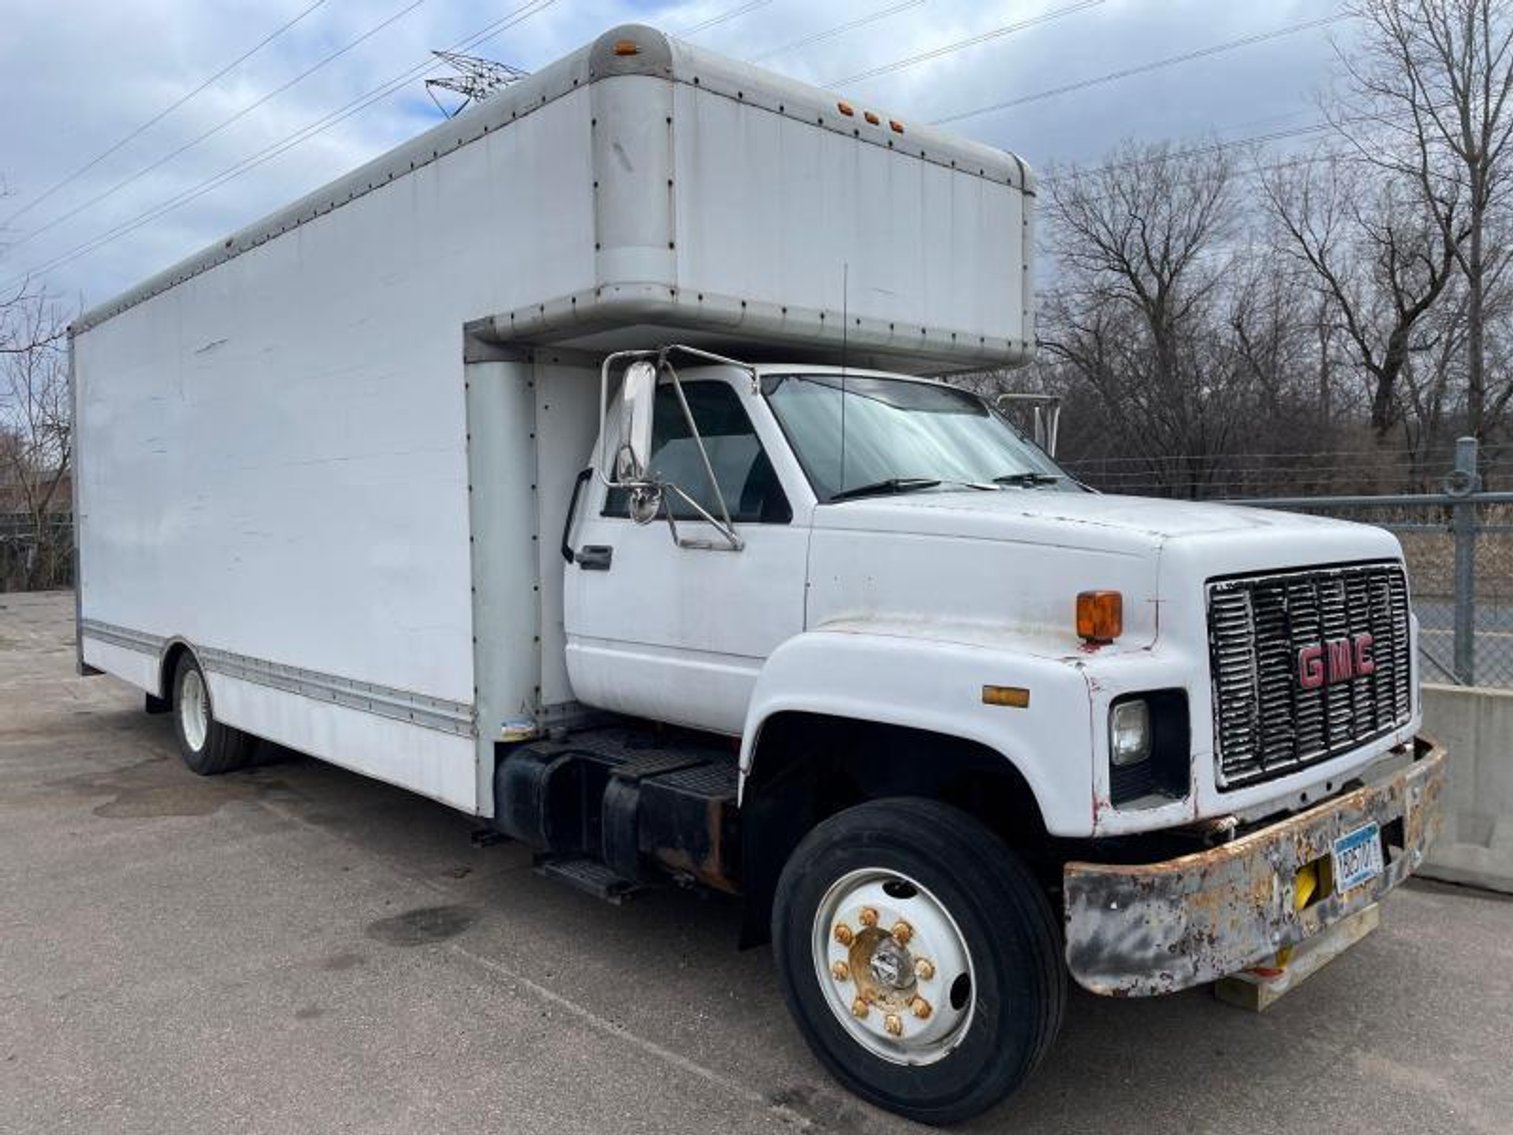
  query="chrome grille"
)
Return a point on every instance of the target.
[{"x": 1266, "y": 723}]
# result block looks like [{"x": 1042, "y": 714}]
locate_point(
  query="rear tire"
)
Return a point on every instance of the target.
[
  {"x": 208, "y": 747},
  {"x": 980, "y": 947}
]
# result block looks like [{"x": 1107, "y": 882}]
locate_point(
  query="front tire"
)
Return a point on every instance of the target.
[
  {"x": 207, "y": 746},
  {"x": 919, "y": 958}
]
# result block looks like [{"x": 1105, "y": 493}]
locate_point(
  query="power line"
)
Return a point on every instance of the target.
[
  {"x": 971, "y": 41},
  {"x": 304, "y": 134},
  {"x": 162, "y": 114},
  {"x": 739, "y": 10},
  {"x": 1076, "y": 173},
  {"x": 838, "y": 29},
  {"x": 240, "y": 114},
  {"x": 1145, "y": 68},
  {"x": 1191, "y": 152}
]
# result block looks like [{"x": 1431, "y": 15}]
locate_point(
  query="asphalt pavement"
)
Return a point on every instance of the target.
[{"x": 298, "y": 949}]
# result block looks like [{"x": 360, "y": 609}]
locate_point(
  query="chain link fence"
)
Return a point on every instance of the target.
[
  {"x": 33, "y": 560},
  {"x": 1458, "y": 543}
]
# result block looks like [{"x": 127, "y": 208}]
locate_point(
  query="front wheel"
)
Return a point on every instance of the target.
[
  {"x": 207, "y": 746},
  {"x": 919, "y": 958}
]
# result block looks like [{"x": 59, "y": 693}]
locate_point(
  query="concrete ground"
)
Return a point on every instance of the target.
[{"x": 298, "y": 949}]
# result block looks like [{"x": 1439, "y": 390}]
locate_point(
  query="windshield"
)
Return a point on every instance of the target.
[{"x": 899, "y": 436}]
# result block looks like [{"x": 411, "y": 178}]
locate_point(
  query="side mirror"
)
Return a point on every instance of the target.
[{"x": 638, "y": 393}]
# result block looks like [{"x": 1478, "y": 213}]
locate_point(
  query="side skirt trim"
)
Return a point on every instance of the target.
[{"x": 368, "y": 697}]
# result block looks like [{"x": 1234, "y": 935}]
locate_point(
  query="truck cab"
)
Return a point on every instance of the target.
[{"x": 1181, "y": 721}]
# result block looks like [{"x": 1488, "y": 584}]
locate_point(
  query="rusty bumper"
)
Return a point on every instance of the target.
[{"x": 1136, "y": 931}]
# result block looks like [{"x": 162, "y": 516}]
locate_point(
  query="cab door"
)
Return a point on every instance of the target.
[{"x": 675, "y": 633}]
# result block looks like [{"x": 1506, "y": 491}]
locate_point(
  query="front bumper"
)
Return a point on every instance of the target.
[{"x": 1136, "y": 931}]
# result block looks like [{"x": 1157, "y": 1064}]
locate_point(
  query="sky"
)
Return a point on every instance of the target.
[{"x": 338, "y": 82}]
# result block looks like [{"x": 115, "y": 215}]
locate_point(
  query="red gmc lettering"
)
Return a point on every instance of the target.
[
  {"x": 1311, "y": 667},
  {"x": 1341, "y": 660},
  {"x": 1364, "y": 662}
]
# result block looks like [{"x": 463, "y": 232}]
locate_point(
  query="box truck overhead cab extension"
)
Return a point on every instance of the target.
[{"x": 584, "y": 464}]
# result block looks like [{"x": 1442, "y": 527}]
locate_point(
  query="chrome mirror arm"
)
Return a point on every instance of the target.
[
  {"x": 726, "y": 529},
  {"x": 723, "y": 524}
]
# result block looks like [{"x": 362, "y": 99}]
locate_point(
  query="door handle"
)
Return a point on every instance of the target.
[{"x": 594, "y": 557}]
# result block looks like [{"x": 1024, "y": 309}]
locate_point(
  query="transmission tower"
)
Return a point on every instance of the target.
[{"x": 476, "y": 79}]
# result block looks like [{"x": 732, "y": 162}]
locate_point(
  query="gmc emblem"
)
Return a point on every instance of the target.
[{"x": 1337, "y": 660}]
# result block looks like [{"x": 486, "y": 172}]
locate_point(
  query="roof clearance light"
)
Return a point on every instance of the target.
[
  {"x": 627, "y": 47},
  {"x": 871, "y": 118},
  {"x": 1100, "y": 615},
  {"x": 895, "y": 125},
  {"x": 845, "y": 108}
]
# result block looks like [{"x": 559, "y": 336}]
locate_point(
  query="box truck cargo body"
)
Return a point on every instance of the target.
[
  {"x": 579, "y": 464},
  {"x": 283, "y": 422}
]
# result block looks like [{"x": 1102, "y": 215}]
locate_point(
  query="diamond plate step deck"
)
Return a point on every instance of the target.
[{"x": 587, "y": 875}]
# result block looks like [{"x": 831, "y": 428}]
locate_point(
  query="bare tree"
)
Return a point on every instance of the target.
[
  {"x": 1143, "y": 245},
  {"x": 1427, "y": 100},
  {"x": 1377, "y": 256},
  {"x": 35, "y": 427}
]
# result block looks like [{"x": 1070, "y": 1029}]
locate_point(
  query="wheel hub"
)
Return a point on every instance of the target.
[
  {"x": 894, "y": 967},
  {"x": 891, "y": 965},
  {"x": 194, "y": 710}
]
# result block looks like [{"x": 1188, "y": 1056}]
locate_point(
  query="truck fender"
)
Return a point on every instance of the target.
[{"x": 915, "y": 682}]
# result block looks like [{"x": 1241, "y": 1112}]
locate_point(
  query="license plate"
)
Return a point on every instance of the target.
[{"x": 1357, "y": 857}]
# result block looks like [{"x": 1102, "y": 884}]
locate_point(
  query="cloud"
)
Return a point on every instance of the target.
[{"x": 81, "y": 77}]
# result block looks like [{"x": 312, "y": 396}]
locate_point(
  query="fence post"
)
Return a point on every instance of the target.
[{"x": 1462, "y": 484}]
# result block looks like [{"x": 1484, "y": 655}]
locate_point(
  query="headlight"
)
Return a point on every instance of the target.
[{"x": 1129, "y": 733}]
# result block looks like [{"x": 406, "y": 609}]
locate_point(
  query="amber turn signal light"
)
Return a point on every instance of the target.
[
  {"x": 1100, "y": 615},
  {"x": 1015, "y": 697}
]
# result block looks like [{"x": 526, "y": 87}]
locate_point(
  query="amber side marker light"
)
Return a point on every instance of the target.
[
  {"x": 627, "y": 47},
  {"x": 845, "y": 108},
  {"x": 1015, "y": 697},
  {"x": 1100, "y": 615}
]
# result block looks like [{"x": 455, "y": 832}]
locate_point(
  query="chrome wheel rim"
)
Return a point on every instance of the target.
[
  {"x": 194, "y": 710},
  {"x": 893, "y": 966}
]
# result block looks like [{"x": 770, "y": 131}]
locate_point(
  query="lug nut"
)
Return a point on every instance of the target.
[
  {"x": 924, "y": 969},
  {"x": 894, "y": 1024},
  {"x": 921, "y": 1008},
  {"x": 843, "y": 934},
  {"x": 859, "y": 1007},
  {"x": 902, "y": 932},
  {"x": 840, "y": 971},
  {"x": 868, "y": 916}
]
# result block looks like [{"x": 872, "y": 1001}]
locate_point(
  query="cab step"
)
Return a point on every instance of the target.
[{"x": 587, "y": 875}]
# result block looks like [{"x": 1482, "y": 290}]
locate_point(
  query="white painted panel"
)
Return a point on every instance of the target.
[
  {"x": 774, "y": 210},
  {"x": 502, "y": 472},
  {"x": 432, "y": 763},
  {"x": 567, "y": 421},
  {"x": 273, "y": 456},
  {"x": 132, "y": 666}
]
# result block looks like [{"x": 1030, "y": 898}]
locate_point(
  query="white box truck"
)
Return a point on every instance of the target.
[{"x": 578, "y": 465}]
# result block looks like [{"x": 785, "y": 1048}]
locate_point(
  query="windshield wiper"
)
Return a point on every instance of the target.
[
  {"x": 883, "y": 488},
  {"x": 1027, "y": 480}
]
